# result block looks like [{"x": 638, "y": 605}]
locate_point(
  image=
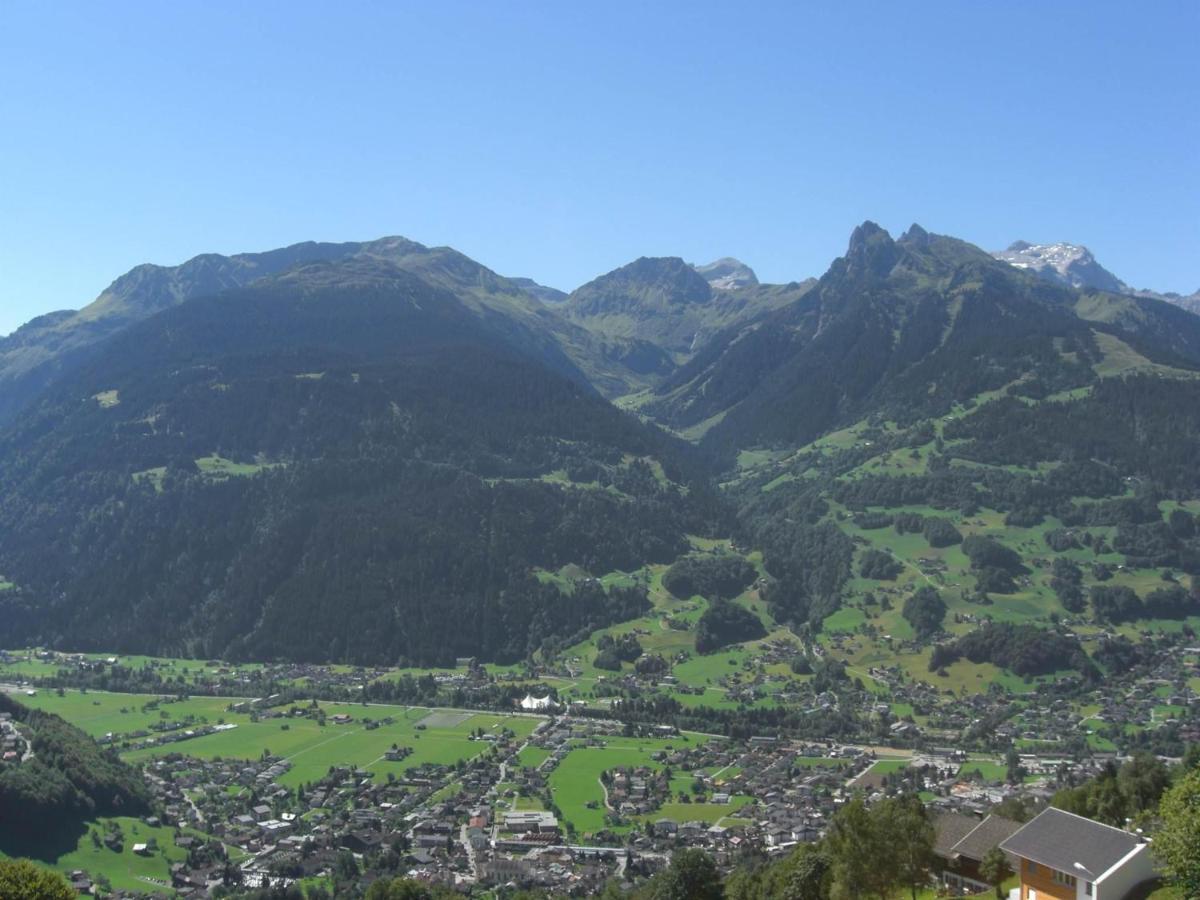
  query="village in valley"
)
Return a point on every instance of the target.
[{"x": 269, "y": 775}]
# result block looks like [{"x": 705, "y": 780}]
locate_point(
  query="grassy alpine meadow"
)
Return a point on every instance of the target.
[{"x": 869, "y": 629}]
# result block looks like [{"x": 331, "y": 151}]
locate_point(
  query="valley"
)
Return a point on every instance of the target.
[{"x": 384, "y": 545}]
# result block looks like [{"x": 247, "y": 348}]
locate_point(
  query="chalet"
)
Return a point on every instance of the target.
[
  {"x": 961, "y": 844},
  {"x": 81, "y": 883},
  {"x": 1063, "y": 856},
  {"x": 360, "y": 841}
]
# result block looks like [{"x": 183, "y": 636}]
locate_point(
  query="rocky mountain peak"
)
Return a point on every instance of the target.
[
  {"x": 915, "y": 236},
  {"x": 727, "y": 273},
  {"x": 871, "y": 251},
  {"x": 1063, "y": 263}
]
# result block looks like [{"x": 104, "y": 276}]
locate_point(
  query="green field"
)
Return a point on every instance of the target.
[
  {"x": 887, "y": 767},
  {"x": 576, "y": 782},
  {"x": 708, "y": 813},
  {"x": 988, "y": 771},
  {"x": 216, "y": 466},
  {"x": 126, "y": 870},
  {"x": 820, "y": 762},
  {"x": 531, "y": 757},
  {"x": 309, "y": 746}
]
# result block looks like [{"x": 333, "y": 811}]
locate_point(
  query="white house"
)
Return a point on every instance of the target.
[{"x": 1062, "y": 856}]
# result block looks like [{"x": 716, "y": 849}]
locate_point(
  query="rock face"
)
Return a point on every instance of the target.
[
  {"x": 1191, "y": 302},
  {"x": 727, "y": 274},
  {"x": 1064, "y": 263}
]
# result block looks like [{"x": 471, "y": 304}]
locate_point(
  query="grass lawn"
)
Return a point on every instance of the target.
[
  {"x": 710, "y": 668},
  {"x": 708, "y": 813},
  {"x": 532, "y": 757},
  {"x": 820, "y": 762},
  {"x": 988, "y": 771},
  {"x": 887, "y": 767},
  {"x": 576, "y": 781}
]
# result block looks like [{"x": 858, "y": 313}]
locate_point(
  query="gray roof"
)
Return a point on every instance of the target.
[
  {"x": 990, "y": 832},
  {"x": 951, "y": 828},
  {"x": 1060, "y": 839}
]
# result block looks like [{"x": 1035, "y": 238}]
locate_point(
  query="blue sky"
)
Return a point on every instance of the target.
[{"x": 559, "y": 141}]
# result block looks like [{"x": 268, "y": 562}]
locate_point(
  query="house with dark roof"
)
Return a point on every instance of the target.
[
  {"x": 962, "y": 842},
  {"x": 1062, "y": 856}
]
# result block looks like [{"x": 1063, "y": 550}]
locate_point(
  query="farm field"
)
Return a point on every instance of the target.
[
  {"x": 442, "y": 737},
  {"x": 312, "y": 749},
  {"x": 100, "y": 713}
]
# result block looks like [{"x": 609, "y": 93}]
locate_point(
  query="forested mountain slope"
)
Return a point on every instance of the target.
[
  {"x": 397, "y": 455},
  {"x": 931, "y": 425},
  {"x": 54, "y": 345},
  {"x": 344, "y": 461},
  {"x": 36, "y": 354},
  {"x": 908, "y": 328}
]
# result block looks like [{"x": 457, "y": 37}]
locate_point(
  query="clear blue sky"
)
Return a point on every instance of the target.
[{"x": 561, "y": 140}]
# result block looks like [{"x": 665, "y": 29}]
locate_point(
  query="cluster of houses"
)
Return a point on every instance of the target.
[
  {"x": 486, "y": 823},
  {"x": 13, "y": 745},
  {"x": 492, "y": 822}
]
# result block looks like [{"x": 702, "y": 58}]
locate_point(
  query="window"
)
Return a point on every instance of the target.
[
  {"x": 1031, "y": 866},
  {"x": 1087, "y": 888},
  {"x": 1064, "y": 878}
]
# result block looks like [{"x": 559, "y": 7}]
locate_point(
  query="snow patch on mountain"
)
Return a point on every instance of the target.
[
  {"x": 1068, "y": 264},
  {"x": 727, "y": 274}
]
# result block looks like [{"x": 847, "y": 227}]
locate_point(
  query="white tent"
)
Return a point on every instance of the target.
[{"x": 535, "y": 703}]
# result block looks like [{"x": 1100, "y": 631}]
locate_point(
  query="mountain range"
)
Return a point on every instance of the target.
[{"x": 380, "y": 451}]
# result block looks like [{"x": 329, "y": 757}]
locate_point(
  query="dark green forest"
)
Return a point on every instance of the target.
[
  {"x": 68, "y": 780},
  {"x": 393, "y": 503}
]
